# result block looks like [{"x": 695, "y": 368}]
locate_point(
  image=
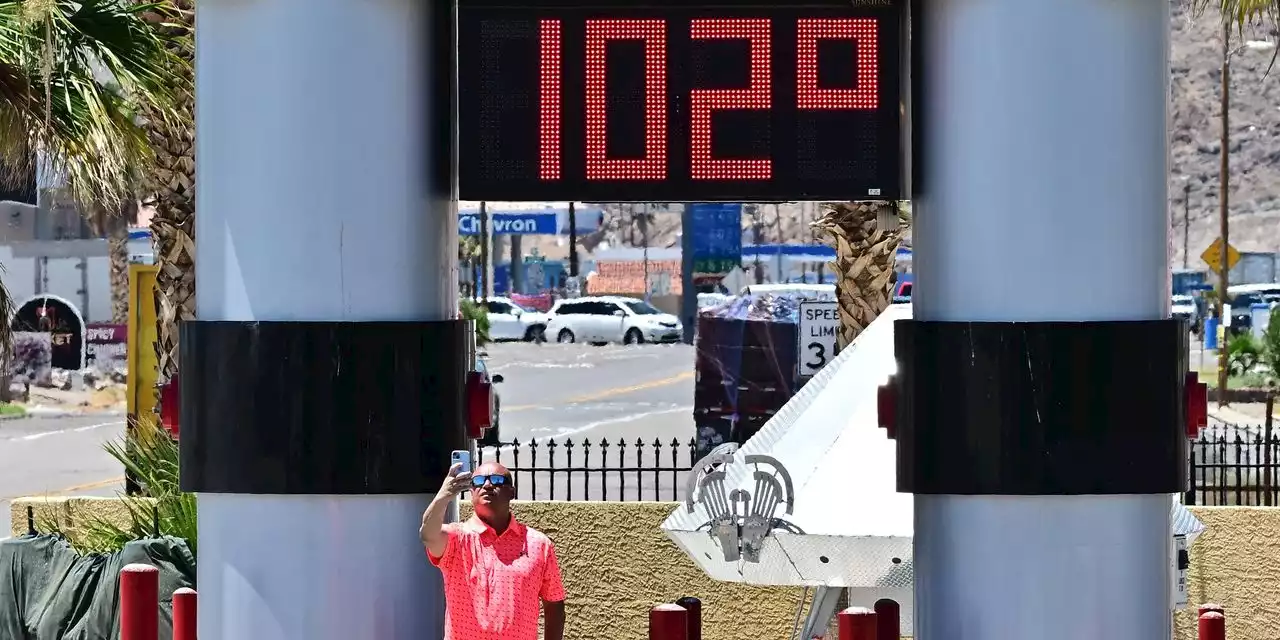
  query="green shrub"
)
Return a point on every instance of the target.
[
  {"x": 1243, "y": 353},
  {"x": 472, "y": 310},
  {"x": 150, "y": 454},
  {"x": 1271, "y": 345}
]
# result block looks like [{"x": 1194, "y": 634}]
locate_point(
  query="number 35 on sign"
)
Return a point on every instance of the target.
[{"x": 819, "y": 324}]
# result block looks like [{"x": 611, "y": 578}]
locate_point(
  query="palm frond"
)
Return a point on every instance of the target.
[{"x": 74, "y": 78}]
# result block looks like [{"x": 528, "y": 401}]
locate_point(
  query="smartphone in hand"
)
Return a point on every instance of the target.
[{"x": 464, "y": 458}]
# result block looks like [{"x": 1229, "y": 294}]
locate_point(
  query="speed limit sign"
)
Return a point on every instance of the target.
[{"x": 819, "y": 323}]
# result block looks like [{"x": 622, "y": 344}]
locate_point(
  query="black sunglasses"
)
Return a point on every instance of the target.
[{"x": 495, "y": 479}]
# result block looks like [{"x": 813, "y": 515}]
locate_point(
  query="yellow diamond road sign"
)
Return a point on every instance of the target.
[{"x": 1213, "y": 255}]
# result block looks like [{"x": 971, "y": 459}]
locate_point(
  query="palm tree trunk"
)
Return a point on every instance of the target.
[
  {"x": 864, "y": 264},
  {"x": 118, "y": 260},
  {"x": 173, "y": 180}
]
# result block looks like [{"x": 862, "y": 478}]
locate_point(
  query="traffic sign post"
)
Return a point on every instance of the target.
[
  {"x": 1213, "y": 256},
  {"x": 816, "y": 332}
]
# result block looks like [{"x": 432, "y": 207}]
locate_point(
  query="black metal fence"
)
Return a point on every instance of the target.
[
  {"x": 1235, "y": 465},
  {"x": 584, "y": 469}
]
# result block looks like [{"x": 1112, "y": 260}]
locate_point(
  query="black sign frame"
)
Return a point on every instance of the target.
[{"x": 500, "y": 162}]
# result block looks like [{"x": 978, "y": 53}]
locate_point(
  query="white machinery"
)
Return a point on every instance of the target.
[{"x": 811, "y": 500}]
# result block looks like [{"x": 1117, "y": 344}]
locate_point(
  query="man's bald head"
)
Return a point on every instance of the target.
[
  {"x": 492, "y": 496},
  {"x": 493, "y": 468}
]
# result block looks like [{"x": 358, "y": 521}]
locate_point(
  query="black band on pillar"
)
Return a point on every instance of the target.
[
  {"x": 1041, "y": 408},
  {"x": 321, "y": 407}
]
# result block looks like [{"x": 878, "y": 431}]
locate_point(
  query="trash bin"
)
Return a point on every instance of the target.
[{"x": 1211, "y": 334}]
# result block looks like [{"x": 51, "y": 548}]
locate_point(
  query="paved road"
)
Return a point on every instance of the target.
[
  {"x": 579, "y": 392},
  {"x": 57, "y": 456},
  {"x": 550, "y": 391}
]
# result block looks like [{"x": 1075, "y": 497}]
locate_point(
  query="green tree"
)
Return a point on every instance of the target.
[
  {"x": 75, "y": 77},
  {"x": 1243, "y": 354},
  {"x": 1271, "y": 345}
]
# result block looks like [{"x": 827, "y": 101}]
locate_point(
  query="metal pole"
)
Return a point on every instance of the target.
[
  {"x": 756, "y": 232},
  {"x": 485, "y": 285},
  {"x": 688, "y": 290},
  {"x": 1224, "y": 181},
  {"x": 184, "y": 614},
  {"x": 668, "y": 622},
  {"x": 573, "y": 242},
  {"x": 644, "y": 239},
  {"x": 139, "y": 602},
  {"x": 1001, "y": 119},
  {"x": 1212, "y": 626},
  {"x": 888, "y": 619},
  {"x": 694, "y": 607},
  {"x": 516, "y": 275},
  {"x": 1186, "y": 225},
  {"x": 857, "y": 623}
]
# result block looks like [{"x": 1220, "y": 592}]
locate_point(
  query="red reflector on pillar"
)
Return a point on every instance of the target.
[
  {"x": 887, "y": 406},
  {"x": 169, "y": 405},
  {"x": 479, "y": 404},
  {"x": 1197, "y": 404}
]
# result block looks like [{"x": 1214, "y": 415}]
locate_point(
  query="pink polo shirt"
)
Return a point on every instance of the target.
[{"x": 493, "y": 583}]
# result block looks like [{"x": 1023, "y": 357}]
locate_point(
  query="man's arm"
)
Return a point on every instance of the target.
[
  {"x": 553, "y": 620},
  {"x": 552, "y": 595},
  {"x": 433, "y": 532}
]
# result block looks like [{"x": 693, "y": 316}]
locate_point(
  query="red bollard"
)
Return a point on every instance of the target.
[
  {"x": 184, "y": 614},
  {"x": 694, "y": 607},
  {"x": 888, "y": 625},
  {"x": 139, "y": 602},
  {"x": 666, "y": 622},
  {"x": 857, "y": 623},
  {"x": 1209, "y": 606},
  {"x": 1213, "y": 626}
]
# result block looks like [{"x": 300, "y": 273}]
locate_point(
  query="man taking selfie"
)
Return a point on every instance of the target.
[{"x": 496, "y": 569}]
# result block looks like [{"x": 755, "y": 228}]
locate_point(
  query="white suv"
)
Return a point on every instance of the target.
[
  {"x": 601, "y": 320},
  {"x": 510, "y": 321}
]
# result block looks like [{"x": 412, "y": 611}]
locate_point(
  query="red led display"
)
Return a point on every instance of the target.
[
  {"x": 756, "y": 95},
  {"x": 549, "y": 57},
  {"x": 809, "y": 95},
  {"x": 653, "y": 166},
  {"x": 679, "y": 100}
]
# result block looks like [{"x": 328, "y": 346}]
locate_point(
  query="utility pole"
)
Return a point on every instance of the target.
[
  {"x": 1186, "y": 224},
  {"x": 688, "y": 290},
  {"x": 757, "y": 231},
  {"x": 484, "y": 253},
  {"x": 573, "y": 242},
  {"x": 644, "y": 239},
  {"x": 1224, "y": 182}
]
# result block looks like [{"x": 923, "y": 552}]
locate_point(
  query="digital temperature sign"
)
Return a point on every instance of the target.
[{"x": 603, "y": 100}]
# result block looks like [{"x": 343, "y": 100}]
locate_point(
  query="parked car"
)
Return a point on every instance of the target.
[
  {"x": 1243, "y": 297},
  {"x": 1184, "y": 307},
  {"x": 606, "y": 319},
  {"x": 491, "y": 436},
  {"x": 510, "y": 321}
]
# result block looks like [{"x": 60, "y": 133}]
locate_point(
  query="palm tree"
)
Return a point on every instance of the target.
[
  {"x": 866, "y": 237},
  {"x": 73, "y": 77},
  {"x": 172, "y": 180},
  {"x": 1242, "y": 11}
]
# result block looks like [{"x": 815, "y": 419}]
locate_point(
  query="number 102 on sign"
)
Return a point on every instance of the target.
[{"x": 816, "y": 333}]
